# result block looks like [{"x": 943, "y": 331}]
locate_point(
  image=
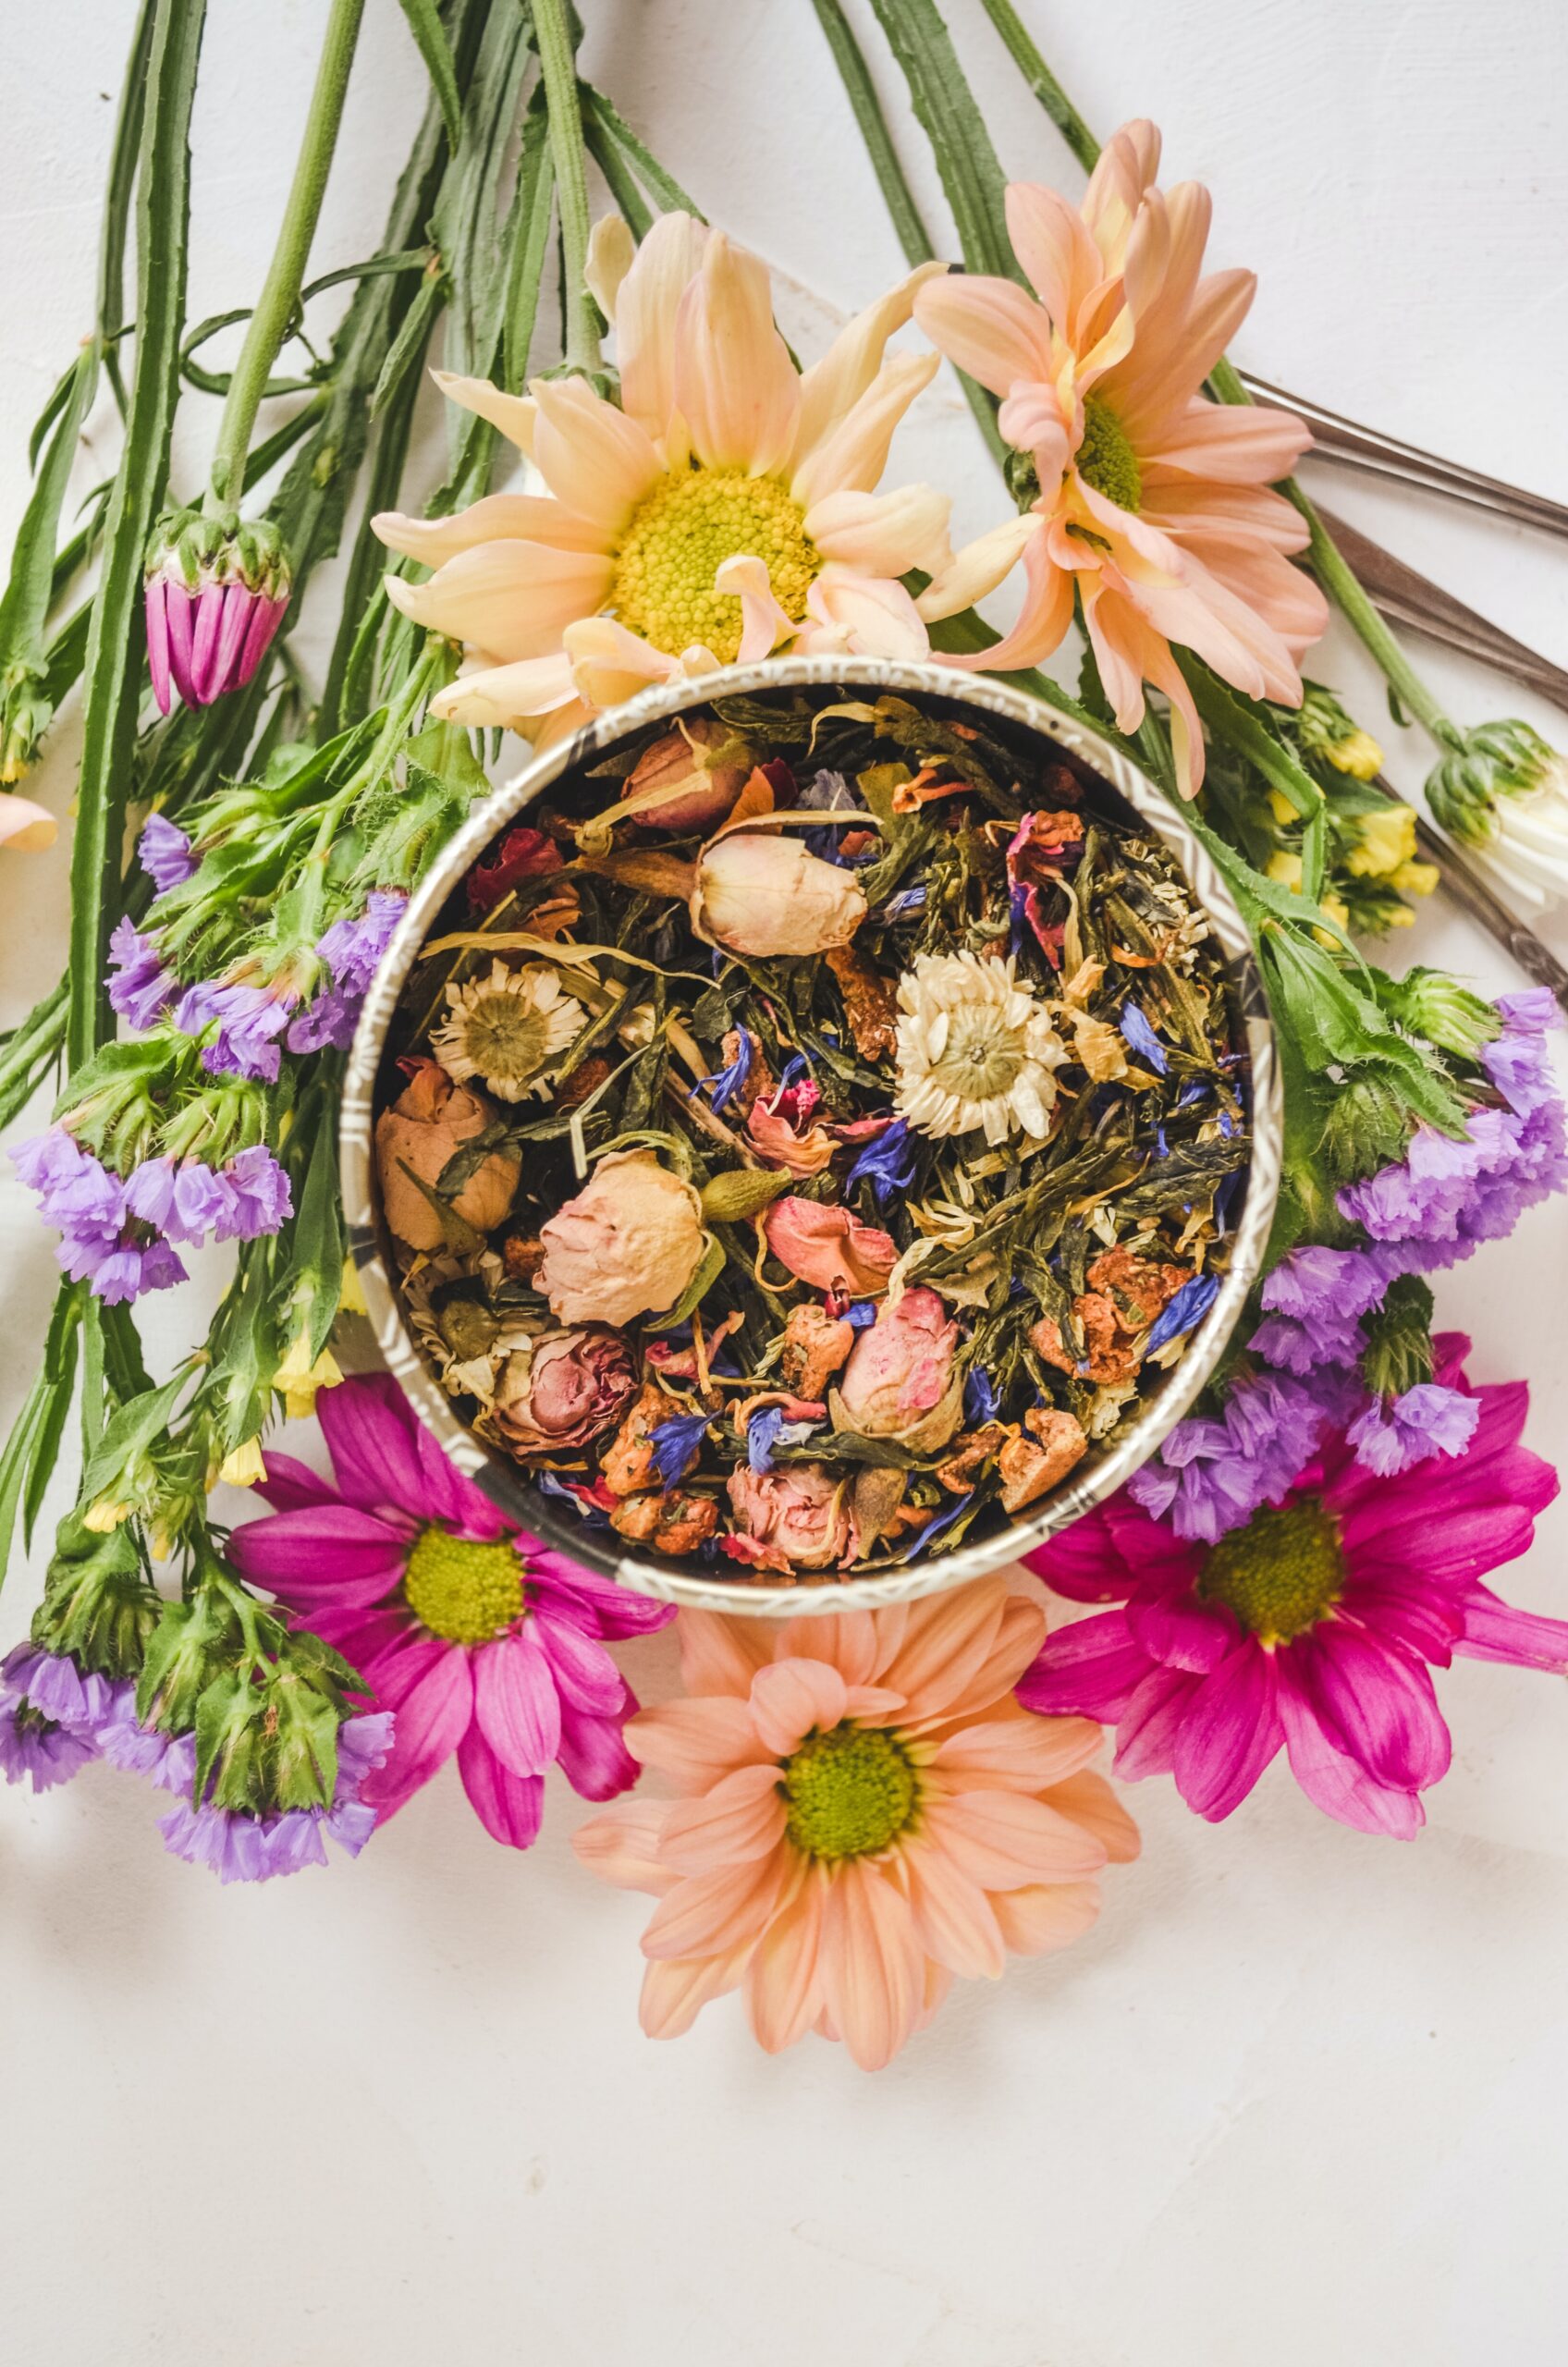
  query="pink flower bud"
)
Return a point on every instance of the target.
[
  {"x": 575, "y": 1387},
  {"x": 760, "y": 891},
  {"x": 428, "y": 1121},
  {"x": 899, "y": 1381},
  {"x": 830, "y": 1247},
  {"x": 627, "y": 1245},
  {"x": 691, "y": 792},
  {"x": 796, "y": 1517},
  {"x": 217, "y": 589}
]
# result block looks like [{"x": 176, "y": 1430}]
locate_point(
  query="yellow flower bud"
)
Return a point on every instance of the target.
[
  {"x": 1415, "y": 878},
  {"x": 299, "y": 1379},
  {"x": 244, "y": 1467},
  {"x": 1383, "y": 840}
]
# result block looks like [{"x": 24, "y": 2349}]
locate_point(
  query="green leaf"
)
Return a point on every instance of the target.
[
  {"x": 129, "y": 1431},
  {"x": 25, "y": 601},
  {"x": 945, "y": 107},
  {"x": 431, "y": 41},
  {"x": 709, "y": 1268}
]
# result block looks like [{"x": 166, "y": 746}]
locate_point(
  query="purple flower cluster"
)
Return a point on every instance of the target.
[
  {"x": 140, "y": 989},
  {"x": 351, "y": 950},
  {"x": 53, "y": 1720},
  {"x": 249, "y": 1021},
  {"x": 1428, "y": 1212},
  {"x": 165, "y": 853},
  {"x": 120, "y": 1232}
]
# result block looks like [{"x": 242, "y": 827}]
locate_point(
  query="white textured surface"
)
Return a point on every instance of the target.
[{"x": 1302, "y": 2094}]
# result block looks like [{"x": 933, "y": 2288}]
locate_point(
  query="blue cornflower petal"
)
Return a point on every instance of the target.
[
  {"x": 549, "y": 1485},
  {"x": 980, "y": 1399},
  {"x": 768, "y": 1428},
  {"x": 727, "y": 1082},
  {"x": 1190, "y": 1306},
  {"x": 1191, "y": 1092},
  {"x": 909, "y": 900},
  {"x": 887, "y": 1162},
  {"x": 935, "y": 1526},
  {"x": 861, "y": 1313},
  {"x": 1136, "y": 1031},
  {"x": 676, "y": 1444}
]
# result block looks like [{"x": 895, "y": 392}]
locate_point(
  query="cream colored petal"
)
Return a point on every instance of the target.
[
  {"x": 852, "y": 457},
  {"x": 644, "y": 318},
  {"x": 1044, "y": 1916},
  {"x": 513, "y": 415},
  {"x": 978, "y": 568},
  {"x": 874, "y": 615},
  {"x": 1051, "y": 243},
  {"x": 989, "y": 327},
  {"x": 593, "y": 457},
  {"x": 609, "y": 664},
  {"x": 764, "y": 623},
  {"x": 735, "y": 384},
  {"x": 508, "y": 599},
  {"x": 833, "y": 386},
  {"x": 501, "y": 517},
  {"x": 884, "y": 534},
  {"x": 507, "y": 698},
  {"x": 1126, "y": 170},
  {"x": 26, "y": 826},
  {"x": 674, "y": 1993},
  {"x": 612, "y": 251}
]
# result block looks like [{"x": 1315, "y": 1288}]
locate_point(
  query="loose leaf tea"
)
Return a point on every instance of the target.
[{"x": 812, "y": 1133}]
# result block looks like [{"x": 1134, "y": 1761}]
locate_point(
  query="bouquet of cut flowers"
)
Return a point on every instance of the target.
[{"x": 807, "y": 1137}]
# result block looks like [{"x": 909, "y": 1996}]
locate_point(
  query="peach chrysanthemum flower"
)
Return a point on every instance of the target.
[
  {"x": 727, "y": 507},
  {"x": 1154, "y": 503},
  {"x": 866, "y": 1811}
]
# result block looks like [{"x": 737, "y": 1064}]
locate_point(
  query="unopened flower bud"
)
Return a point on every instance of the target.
[
  {"x": 899, "y": 1381},
  {"x": 761, "y": 892},
  {"x": 628, "y": 1245},
  {"x": 428, "y": 1122},
  {"x": 1322, "y": 728},
  {"x": 216, "y": 588},
  {"x": 689, "y": 779},
  {"x": 1430, "y": 1003},
  {"x": 1502, "y": 791},
  {"x": 571, "y": 1389}
]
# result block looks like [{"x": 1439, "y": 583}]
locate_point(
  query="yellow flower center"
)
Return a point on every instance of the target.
[
  {"x": 1105, "y": 458},
  {"x": 461, "y": 1591},
  {"x": 681, "y": 533},
  {"x": 850, "y": 1791},
  {"x": 1280, "y": 1574}
]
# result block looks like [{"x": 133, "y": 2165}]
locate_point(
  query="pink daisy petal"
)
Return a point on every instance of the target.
[
  {"x": 1493, "y": 1630},
  {"x": 591, "y": 1604},
  {"x": 1339, "y": 1785},
  {"x": 1375, "y": 1703},
  {"x": 327, "y": 1550},
  {"x": 292, "y": 1486},
  {"x": 373, "y": 1443},
  {"x": 1148, "y": 1726},
  {"x": 593, "y": 1756},
  {"x": 1083, "y": 1563},
  {"x": 516, "y": 1703},
  {"x": 510, "y": 1807},
  {"x": 585, "y": 1675},
  {"x": 428, "y": 1688},
  {"x": 1229, "y": 1733},
  {"x": 1092, "y": 1667},
  {"x": 1174, "y": 1626}
]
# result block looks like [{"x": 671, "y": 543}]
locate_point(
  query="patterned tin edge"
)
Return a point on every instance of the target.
[{"x": 904, "y": 1582}]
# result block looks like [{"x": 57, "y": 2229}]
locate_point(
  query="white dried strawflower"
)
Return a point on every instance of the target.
[
  {"x": 975, "y": 1049},
  {"x": 508, "y": 1029}
]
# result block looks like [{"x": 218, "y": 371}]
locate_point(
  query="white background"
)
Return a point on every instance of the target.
[{"x": 1303, "y": 2093}]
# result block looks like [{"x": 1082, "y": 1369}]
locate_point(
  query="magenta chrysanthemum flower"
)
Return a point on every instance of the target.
[
  {"x": 1312, "y": 1627},
  {"x": 480, "y": 1640}
]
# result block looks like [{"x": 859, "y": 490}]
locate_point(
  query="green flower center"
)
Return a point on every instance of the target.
[
  {"x": 1105, "y": 458},
  {"x": 505, "y": 1036},
  {"x": 1280, "y": 1574},
  {"x": 850, "y": 1791},
  {"x": 981, "y": 1056},
  {"x": 461, "y": 1591},
  {"x": 681, "y": 533}
]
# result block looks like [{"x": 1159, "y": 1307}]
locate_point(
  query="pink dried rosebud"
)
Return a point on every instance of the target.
[
  {"x": 574, "y": 1387},
  {"x": 899, "y": 1381},
  {"x": 795, "y": 1518},
  {"x": 689, "y": 779},
  {"x": 627, "y": 1245},
  {"x": 524, "y": 853},
  {"x": 216, "y": 588},
  {"x": 759, "y": 892},
  {"x": 430, "y": 1120},
  {"x": 830, "y": 1247}
]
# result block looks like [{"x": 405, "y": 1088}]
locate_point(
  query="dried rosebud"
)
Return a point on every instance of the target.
[
  {"x": 760, "y": 891},
  {"x": 793, "y": 1518},
  {"x": 524, "y": 853},
  {"x": 627, "y": 1245},
  {"x": 1027, "y": 1471},
  {"x": 432, "y": 1119},
  {"x": 690, "y": 778},
  {"x": 899, "y": 1381},
  {"x": 830, "y": 1247},
  {"x": 816, "y": 1345},
  {"x": 572, "y": 1387},
  {"x": 631, "y": 1461}
]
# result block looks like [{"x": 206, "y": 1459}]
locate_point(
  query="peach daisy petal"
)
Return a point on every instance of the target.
[
  {"x": 956, "y": 1921},
  {"x": 741, "y": 1818},
  {"x": 1017, "y": 1752},
  {"x": 24, "y": 826},
  {"x": 763, "y": 624},
  {"x": 594, "y": 460},
  {"x": 853, "y": 455},
  {"x": 735, "y": 384},
  {"x": 831, "y": 387},
  {"x": 509, "y": 599},
  {"x": 696, "y": 1741},
  {"x": 674, "y": 1992},
  {"x": 667, "y": 260},
  {"x": 1089, "y": 1801},
  {"x": 980, "y": 567},
  {"x": 1052, "y": 242},
  {"x": 1005, "y": 1840},
  {"x": 947, "y": 1643},
  {"x": 783, "y": 1987},
  {"x": 621, "y": 1846},
  {"x": 608, "y": 664},
  {"x": 502, "y": 697},
  {"x": 707, "y": 1915},
  {"x": 513, "y": 415},
  {"x": 876, "y": 619},
  {"x": 721, "y": 1655},
  {"x": 989, "y": 328},
  {"x": 870, "y": 1964},
  {"x": 883, "y": 533},
  {"x": 1045, "y": 1916},
  {"x": 499, "y": 518},
  {"x": 790, "y": 1698},
  {"x": 612, "y": 251},
  {"x": 847, "y": 1642}
]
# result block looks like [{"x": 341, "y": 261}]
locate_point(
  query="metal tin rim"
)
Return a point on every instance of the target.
[{"x": 504, "y": 1483}]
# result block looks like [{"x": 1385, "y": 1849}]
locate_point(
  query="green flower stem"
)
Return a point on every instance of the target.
[
  {"x": 1043, "y": 82},
  {"x": 279, "y": 298},
  {"x": 662, "y": 186},
  {"x": 558, "y": 66}
]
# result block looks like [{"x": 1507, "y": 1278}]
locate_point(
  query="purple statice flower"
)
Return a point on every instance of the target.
[
  {"x": 1211, "y": 1475},
  {"x": 352, "y": 949},
  {"x": 76, "y": 1191},
  {"x": 183, "y": 1199},
  {"x": 1141, "y": 1039},
  {"x": 140, "y": 989},
  {"x": 675, "y": 1444},
  {"x": 980, "y": 1399},
  {"x": 119, "y": 1270},
  {"x": 1393, "y": 1434},
  {"x": 326, "y": 1023},
  {"x": 1518, "y": 1062},
  {"x": 1186, "y": 1308},
  {"x": 48, "y": 1744},
  {"x": 1313, "y": 1283},
  {"x": 887, "y": 1162},
  {"x": 1300, "y": 1347},
  {"x": 238, "y": 1847},
  {"x": 167, "y": 1761},
  {"x": 258, "y": 1195},
  {"x": 165, "y": 853},
  {"x": 249, "y": 1021}
]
